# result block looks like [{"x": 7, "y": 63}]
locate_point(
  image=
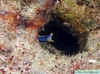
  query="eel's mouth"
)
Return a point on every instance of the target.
[{"x": 64, "y": 42}]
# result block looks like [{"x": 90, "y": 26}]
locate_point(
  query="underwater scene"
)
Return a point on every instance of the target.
[{"x": 49, "y": 36}]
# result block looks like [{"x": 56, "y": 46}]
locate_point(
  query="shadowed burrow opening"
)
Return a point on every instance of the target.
[{"x": 64, "y": 43}]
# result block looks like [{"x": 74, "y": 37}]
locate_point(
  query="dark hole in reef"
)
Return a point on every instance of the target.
[{"x": 63, "y": 41}]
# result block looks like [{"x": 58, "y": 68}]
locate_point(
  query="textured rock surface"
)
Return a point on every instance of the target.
[
  {"x": 20, "y": 53},
  {"x": 81, "y": 17}
]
